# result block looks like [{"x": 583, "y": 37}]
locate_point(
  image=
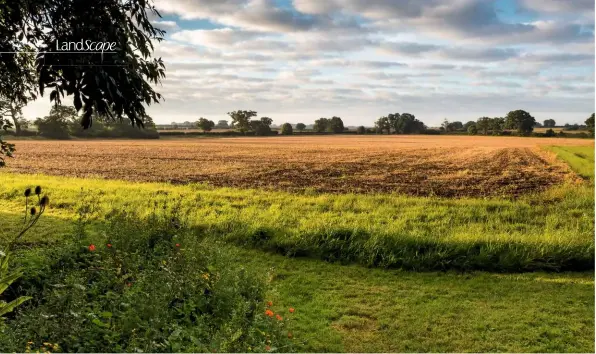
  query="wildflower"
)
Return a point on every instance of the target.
[
  {"x": 27, "y": 192},
  {"x": 279, "y": 318},
  {"x": 128, "y": 284},
  {"x": 109, "y": 245},
  {"x": 267, "y": 348},
  {"x": 290, "y": 335},
  {"x": 269, "y": 303},
  {"x": 206, "y": 276},
  {"x": 269, "y": 313},
  {"x": 38, "y": 190},
  {"x": 45, "y": 200},
  {"x": 91, "y": 247},
  {"x": 33, "y": 211},
  {"x": 177, "y": 245},
  {"x": 292, "y": 310}
]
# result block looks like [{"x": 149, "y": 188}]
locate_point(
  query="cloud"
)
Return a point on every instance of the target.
[{"x": 363, "y": 58}]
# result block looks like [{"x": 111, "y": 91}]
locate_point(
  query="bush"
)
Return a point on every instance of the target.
[
  {"x": 361, "y": 130},
  {"x": 549, "y": 133},
  {"x": 151, "y": 286},
  {"x": 52, "y": 127}
]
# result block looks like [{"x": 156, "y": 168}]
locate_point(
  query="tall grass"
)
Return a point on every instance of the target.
[{"x": 552, "y": 231}]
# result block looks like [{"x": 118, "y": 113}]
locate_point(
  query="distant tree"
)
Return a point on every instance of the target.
[
  {"x": 549, "y": 133},
  {"x": 549, "y": 123},
  {"x": 241, "y": 119},
  {"x": 383, "y": 124},
  {"x": 393, "y": 119},
  {"x": 300, "y": 127},
  {"x": 222, "y": 124},
  {"x": 472, "y": 130},
  {"x": 537, "y": 125},
  {"x": 468, "y": 124},
  {"x": 12, "y": 109},
  {"x": 520, "y": 120},
  {"x": 497, "y": 125},
  {"x": 205, "y": 124},
  {"x": 336, "y": 125},
  {"x": 483, "y": 125},
  {"x": 321, "y": 125},
  {"x": 408, "y": 124},
  {"x": 286, "y": 129},
  {"x": 590, "y": 123},
  {"x": 262, "y": 126},
  {"x": 361, "y": 130},
  {"x": 56, "y": 125},
  {"x": 452, "y": 126},
  {"x": 457, "y": 125},
  {"x": 148, "y": 122},
  {"x": 445, "y": 125},
  {"x": 266, "y": 121}
]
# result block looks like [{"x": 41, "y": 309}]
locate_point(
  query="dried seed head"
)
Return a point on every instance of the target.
[
  {"x": 45, "y": 200},
  {"x": 27, "y": 192},
  {"x": 38, "y": 190},
  {"x": 33, "y": 211}
]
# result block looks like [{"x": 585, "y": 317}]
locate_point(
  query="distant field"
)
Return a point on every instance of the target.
[
  {"x": 414, "y": 165},
  {"x": 556, "y": 130}
]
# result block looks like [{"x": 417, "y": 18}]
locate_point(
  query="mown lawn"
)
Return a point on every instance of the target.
[{"x": 356, "y": 308}]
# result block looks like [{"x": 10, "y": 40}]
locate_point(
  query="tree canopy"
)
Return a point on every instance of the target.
[
  {"x": 520, "y": 120},
  {"x": 116, "y": 83},
  {"x": 205, "y": 124}
]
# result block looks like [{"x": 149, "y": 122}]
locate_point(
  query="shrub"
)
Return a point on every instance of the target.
[
  {"x": 152, "y": 286},
  {"x": 361, "y": 130},
  {"x": 549, "y": 133}
]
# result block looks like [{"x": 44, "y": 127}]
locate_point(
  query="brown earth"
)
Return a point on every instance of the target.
[{"x": 417, "y": 165}]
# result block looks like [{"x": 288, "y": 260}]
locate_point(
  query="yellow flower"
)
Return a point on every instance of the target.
[{"x": 206, "y": 276}]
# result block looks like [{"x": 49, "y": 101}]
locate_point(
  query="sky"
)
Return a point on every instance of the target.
[{"x": 299, "y": 60}]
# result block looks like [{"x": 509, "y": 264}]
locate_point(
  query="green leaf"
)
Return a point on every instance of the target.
[{"x": 6, "y": 308}]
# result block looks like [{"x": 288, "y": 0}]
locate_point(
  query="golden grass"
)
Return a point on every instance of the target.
[{"x": 415, "y": 165}]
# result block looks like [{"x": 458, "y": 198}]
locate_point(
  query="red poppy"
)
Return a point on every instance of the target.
[
  {"x": 109, "y": 245},
  {"x": 269, "y": 313},
  {"x": 91, "y": 248},
  {"x": 291, "y": 310},
  {"x": 279, "y": 318},
  {"x": 128, "y": 284},
  {"x": 269, "y": 303},
  {"x": 177, "y": 245},
  {"x": 267, "y": 348}
]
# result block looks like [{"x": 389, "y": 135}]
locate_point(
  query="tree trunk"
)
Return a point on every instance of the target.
[{"x": 15, "y": 119}]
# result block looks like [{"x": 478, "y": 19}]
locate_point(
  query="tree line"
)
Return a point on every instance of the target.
[{"x": 62, "y": 122}]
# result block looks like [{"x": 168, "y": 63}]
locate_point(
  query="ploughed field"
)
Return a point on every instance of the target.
[{"x": 416, "y": 165}]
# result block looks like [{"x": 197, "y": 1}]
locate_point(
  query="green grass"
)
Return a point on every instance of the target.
[
  {"x": 549, "y": 231},
  {"x": 356, "y": 309},
  {"x": 579, "y": 158}
]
